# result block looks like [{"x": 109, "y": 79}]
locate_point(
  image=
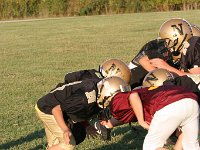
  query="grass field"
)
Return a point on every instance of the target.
[{"x": 35, "y": 56}]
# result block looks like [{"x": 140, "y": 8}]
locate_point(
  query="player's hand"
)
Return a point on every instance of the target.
[
  {"x": 66, "y": 135},
  {"x": 159, "y": 63},
  {"x": 91, "y": 131},
  {"x": 107, "y": 124},
  {"x": 144, "y": 124}
]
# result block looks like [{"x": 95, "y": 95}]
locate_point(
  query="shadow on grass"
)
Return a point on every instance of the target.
[
  {"x": 132, "y": 139},
  {"x": 28, "y": 138},
  {"x": 38, "y": 147}
]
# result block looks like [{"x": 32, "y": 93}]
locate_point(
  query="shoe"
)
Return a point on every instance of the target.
[{"x": 103, "y": 131}]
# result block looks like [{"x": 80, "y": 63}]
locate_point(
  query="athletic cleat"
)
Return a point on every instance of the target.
[{"x": 103, "y": 131}]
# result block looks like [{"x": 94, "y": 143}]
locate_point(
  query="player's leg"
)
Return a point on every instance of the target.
[
  {"x": 190, "y": 127},
  {"x": 54, "y": 133},
  {"x": 164, "y": 123}
]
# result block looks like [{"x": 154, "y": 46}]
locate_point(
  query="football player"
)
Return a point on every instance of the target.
[
  {"x": 160, "y": 110},
  {"x": 176, "y": 50}
]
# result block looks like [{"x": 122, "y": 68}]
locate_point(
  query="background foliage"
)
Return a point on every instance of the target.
[
  {"x": 11, "y": 9},
  {"x": 35, "y": 55}
]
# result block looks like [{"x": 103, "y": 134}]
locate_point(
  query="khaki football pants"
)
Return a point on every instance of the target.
[{"x": 54, "y": 133}]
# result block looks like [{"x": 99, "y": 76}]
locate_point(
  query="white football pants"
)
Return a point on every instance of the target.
[{"x": 183, "y": 113}]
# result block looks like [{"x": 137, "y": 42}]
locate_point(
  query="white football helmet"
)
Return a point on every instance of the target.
[
  {"x": 115, "y": 67},
  {"x": 175, "y": 31},
  {"x": 108, "y": 87},
  {"x": 157, "y": 77}
]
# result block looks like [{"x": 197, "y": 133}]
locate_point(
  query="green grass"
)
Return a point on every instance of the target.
[{"x": 35, "y": 56}]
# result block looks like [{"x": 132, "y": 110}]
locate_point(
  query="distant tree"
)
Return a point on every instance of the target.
[{"x": 44, "y": 8}]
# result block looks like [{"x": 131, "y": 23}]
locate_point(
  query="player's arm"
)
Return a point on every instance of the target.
[
  {"x": 136, "y": 104},
  {"x": 146, "y": 64},
  {"x": 181, "y": 72},
  {"x": 159, "y": 63},
  {"x": 58, "y": 115},
  {"x": 112, "y": 122},
  {"x": 195, "y": 70}
]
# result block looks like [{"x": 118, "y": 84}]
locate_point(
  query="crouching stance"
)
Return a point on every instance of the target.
[
  {"x": 160, "y": 110},
  {"x": 65, "y": 111}
]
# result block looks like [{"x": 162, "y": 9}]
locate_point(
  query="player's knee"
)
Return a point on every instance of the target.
[
  {"x": 152, "y": 145},
  {"x": 70, "y": 146}
]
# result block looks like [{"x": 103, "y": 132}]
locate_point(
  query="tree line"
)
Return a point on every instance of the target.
[{"x": 11, "y": 9}]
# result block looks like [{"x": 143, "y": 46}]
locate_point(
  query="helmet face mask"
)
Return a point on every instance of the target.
[
  {"x": 175, "y": 31},
  {"x": 157, "y": 77},
  {"x": 115, "y": 67},
  {"x": 108, "y": 88}
]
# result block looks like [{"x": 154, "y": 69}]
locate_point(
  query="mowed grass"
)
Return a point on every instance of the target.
[{"x": 36, "y": 55}]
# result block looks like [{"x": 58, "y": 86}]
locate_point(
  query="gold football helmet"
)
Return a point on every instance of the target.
[
  {"x": 115, "y": 67},
  {"x": 175, "y": 31},
  {"x": 195, "y": 30},
  {"x": 157, "y": 77},
  {"x": 108, "y": 87}
]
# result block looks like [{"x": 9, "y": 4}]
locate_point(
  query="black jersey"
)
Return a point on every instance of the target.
[
  {"x": 153, "y": 49},
  {"x": 191, "y": 58},
  {"x": 77, "y": 100},
  {"x": 82, "y": 75},
  {"x": 156, "y": 48},
  {"x": 192, "y": 82}
]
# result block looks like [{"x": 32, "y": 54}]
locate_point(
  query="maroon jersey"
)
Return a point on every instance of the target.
[{"x": 152, "y": 101}]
